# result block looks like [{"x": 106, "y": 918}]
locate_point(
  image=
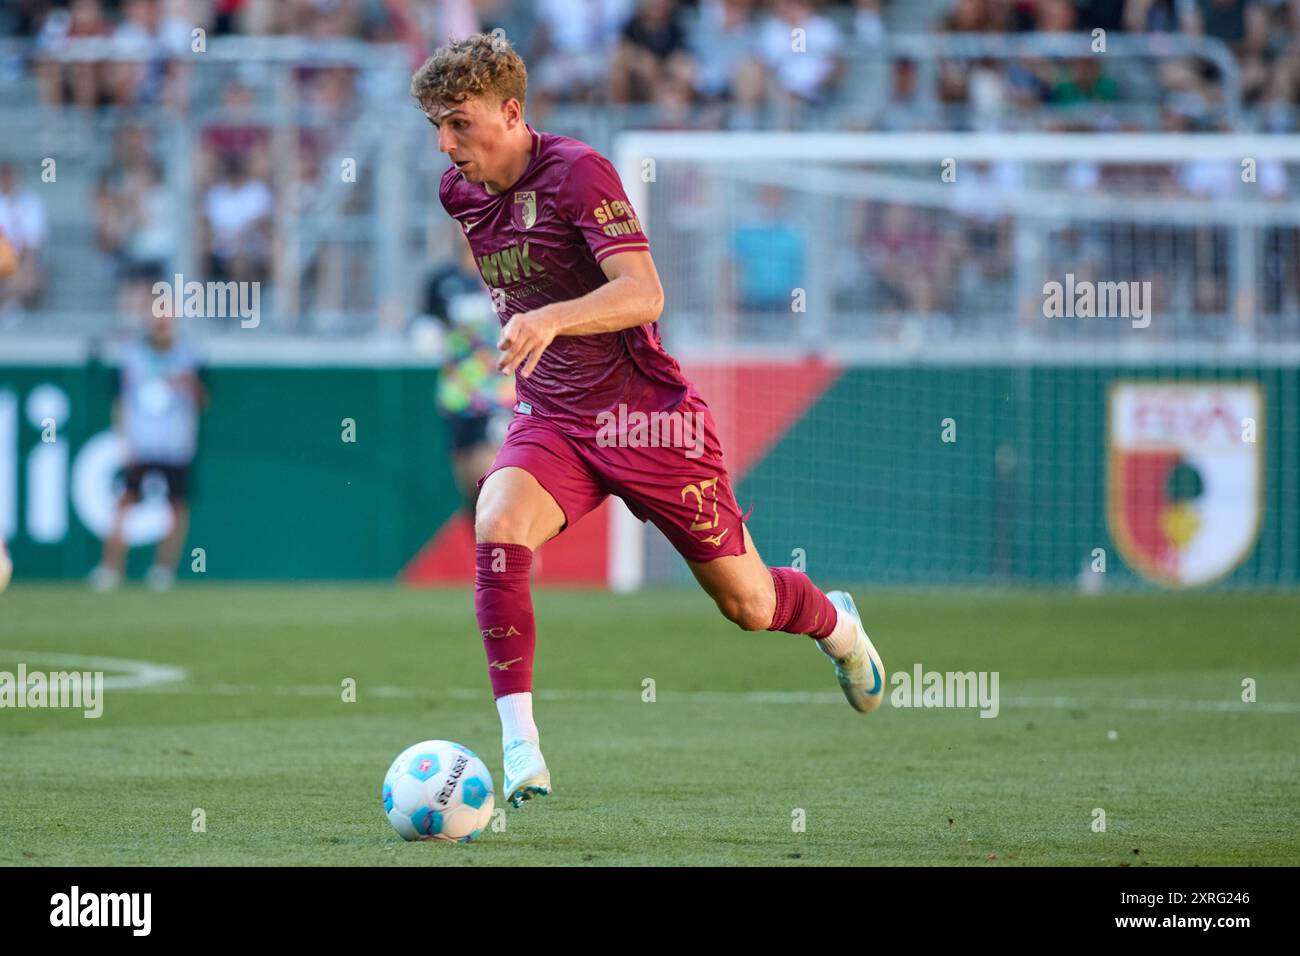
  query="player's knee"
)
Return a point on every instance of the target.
[
  {"x": 499, "y": 526},
  {"x": 748, "y": 610}
]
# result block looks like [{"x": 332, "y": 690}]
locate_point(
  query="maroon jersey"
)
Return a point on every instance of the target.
[{"x": 542, "y": 241}]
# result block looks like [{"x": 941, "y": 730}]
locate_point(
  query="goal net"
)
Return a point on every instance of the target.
[{"x": 937, "y": 359}]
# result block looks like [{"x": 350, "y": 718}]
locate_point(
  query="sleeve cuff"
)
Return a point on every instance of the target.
[{"x": 605, "y": 252}]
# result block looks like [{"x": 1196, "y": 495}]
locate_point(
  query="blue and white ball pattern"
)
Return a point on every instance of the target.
[{"x": 438, "y": 790}]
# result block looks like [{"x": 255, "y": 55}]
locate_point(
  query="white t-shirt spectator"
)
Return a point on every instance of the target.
[
  {"x": 802, "y": 73},
  {"x": 584, "y": 26},
  {"x": 1219, "y": 179},
  {"x": 719, "y": 49},
  {"x": 583, "y": 35},
  {"x": 233, "y": 207},
  {"x": 983, "y": 190},
  {"x": 154, "y": 237},
  {"x": 22, "y": 219}
]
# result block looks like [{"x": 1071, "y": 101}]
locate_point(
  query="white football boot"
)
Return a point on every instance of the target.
[
  {"x": 526, "y": 773},
  {"x": 862, "y": 673}
]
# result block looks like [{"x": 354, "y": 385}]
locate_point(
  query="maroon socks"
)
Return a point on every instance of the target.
[
  {"x": 801, "y": 607},
  {"x": 503, "y": 604}
]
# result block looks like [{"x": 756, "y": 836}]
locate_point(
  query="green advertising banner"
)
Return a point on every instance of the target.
[
  {"x": 1172, "y": 476},
  {"x": 277, "y": 491},
  {"x": 1089, "y": 476}
]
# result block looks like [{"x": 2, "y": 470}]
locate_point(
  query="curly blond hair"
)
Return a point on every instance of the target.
[{"x": 483, "y": 63}]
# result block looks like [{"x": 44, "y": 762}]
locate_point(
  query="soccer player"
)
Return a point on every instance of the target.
[
  {"x": 578, "y": 296},
  {"x": 161, "y": 395}
]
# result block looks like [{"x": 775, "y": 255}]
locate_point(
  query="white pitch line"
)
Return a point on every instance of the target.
[
  {"x": 139, "y": 675},
  {"x": 633, "y": 695},
  {"x": 1157, "y": 703}
]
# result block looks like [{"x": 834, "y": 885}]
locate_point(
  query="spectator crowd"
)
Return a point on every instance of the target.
[{"x": 736, "y": 64}]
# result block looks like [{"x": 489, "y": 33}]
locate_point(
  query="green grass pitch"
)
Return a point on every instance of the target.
[{"x": 746, "y": 731}]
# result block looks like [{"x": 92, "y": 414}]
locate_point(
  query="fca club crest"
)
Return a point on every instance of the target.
[
  {"x": 1185, "y": 480},
  {"x": 524, "y": 211}
]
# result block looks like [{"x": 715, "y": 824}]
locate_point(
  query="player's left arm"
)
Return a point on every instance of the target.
[
  {"x": 633, "y": 296},
  {"x": 8, "y": 258},
  {"x": 199, "y": 390},
  {"x": 191, "y": 380}
]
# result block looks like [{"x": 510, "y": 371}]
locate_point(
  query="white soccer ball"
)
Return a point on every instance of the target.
[
  {"x": 438, "y": 790},
  {"x": 6, "y": 566}
]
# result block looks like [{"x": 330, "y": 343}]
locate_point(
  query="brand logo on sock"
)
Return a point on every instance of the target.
[
  {"x": 505, "y": 665},
  {"x": 511, "y": 631}
]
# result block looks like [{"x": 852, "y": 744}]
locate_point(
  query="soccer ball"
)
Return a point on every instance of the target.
[
  {"x": 6, "y": 566},
  {"x": 438, "y": 790}
]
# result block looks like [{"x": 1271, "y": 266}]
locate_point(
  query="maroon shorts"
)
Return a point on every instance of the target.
[{"x": 670, "y": 472}]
